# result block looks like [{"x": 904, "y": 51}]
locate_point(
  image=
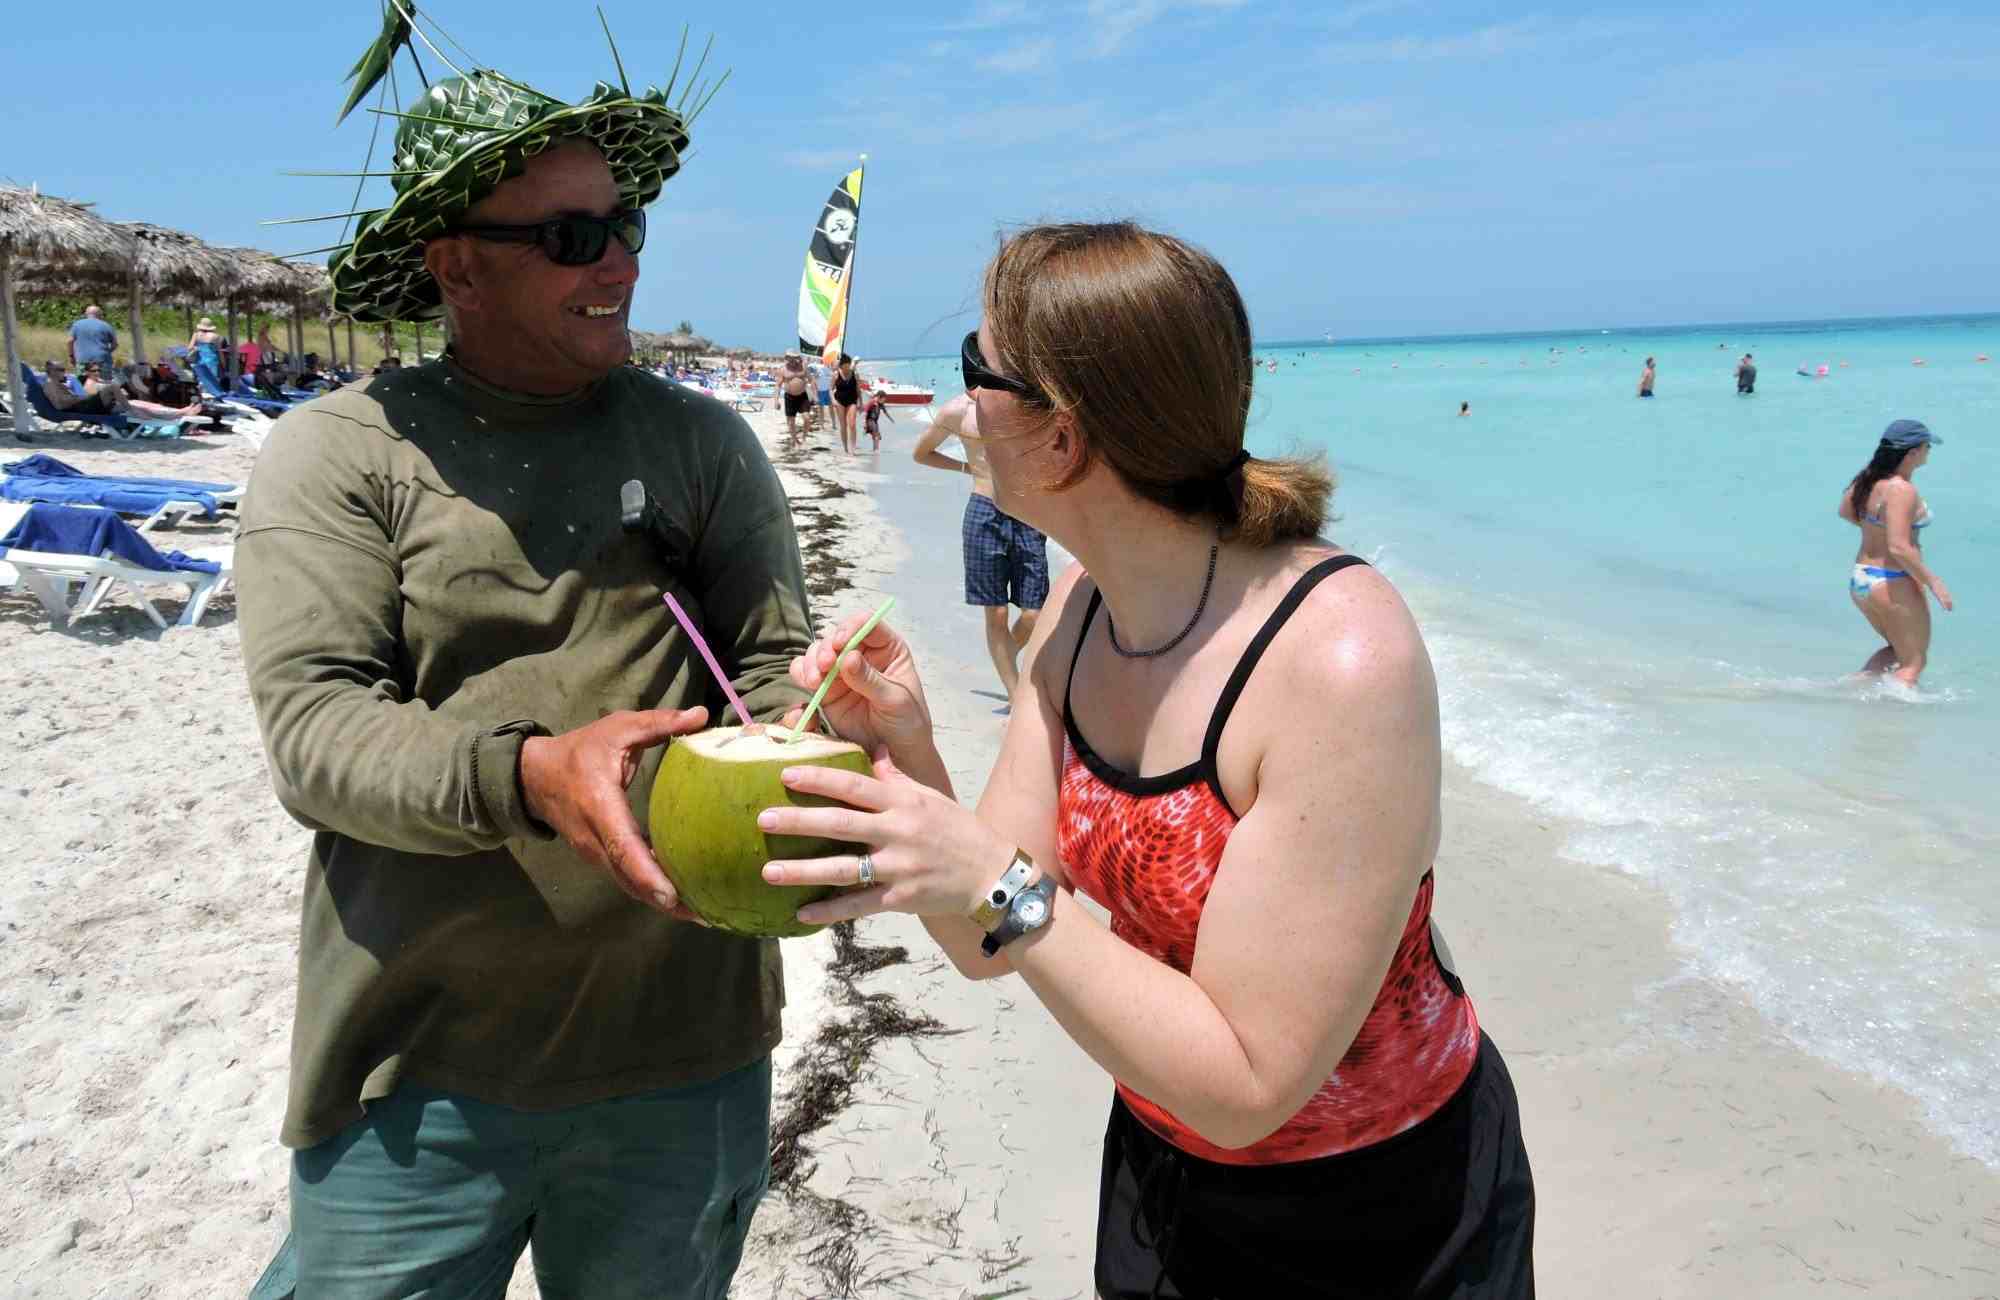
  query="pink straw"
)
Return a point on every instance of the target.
[{"x": 721, "y": 678}]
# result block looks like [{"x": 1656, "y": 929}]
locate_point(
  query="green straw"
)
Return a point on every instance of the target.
[{"x": 812, "y": 706}]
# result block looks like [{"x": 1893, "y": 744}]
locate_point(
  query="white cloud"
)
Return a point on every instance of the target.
[
  {"x": 1481, "y": 43},
  {"x": 1495, "y": 40},
  {"x": 994, "y": 13},
  {"x": 1118, "y": 21},
  {"x": 1355, "y": 15},
  {"x": 1024, "y": 57}
]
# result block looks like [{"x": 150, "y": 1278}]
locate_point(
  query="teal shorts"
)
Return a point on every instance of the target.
[{"x": 437, "y": 1195}]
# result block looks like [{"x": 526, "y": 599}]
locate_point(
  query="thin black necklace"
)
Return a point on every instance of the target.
[{"x": 1200, "y": 605}]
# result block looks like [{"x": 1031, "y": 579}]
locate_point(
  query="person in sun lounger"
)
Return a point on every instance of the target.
[{"x": 102, "y": 396}]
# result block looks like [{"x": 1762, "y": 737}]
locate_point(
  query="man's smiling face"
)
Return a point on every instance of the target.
[{"x": 533, "y": 325}]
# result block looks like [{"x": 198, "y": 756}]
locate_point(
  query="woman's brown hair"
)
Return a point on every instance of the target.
[{"x": 1143, "y": 341}]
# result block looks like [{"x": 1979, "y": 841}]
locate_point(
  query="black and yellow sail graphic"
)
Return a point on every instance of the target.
[{"x": 823, "y": 292}]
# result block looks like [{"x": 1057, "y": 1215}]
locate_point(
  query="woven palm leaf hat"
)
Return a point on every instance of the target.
[{"x": 468, "y": 133}]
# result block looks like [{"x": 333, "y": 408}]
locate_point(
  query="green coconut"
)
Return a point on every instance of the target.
[{"x": 710, "y": 788}]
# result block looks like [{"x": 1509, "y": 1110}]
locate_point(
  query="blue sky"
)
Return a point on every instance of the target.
[{"x": 1369, "y": 168}]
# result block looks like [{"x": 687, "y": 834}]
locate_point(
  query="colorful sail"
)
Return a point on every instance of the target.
[{"x": 830, "y": 270}]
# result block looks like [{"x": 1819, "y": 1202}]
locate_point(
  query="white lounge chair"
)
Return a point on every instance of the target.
[
  {"x": 72, "y": 586},
  {"x": 170, "y": 514},
  {"x": 246, "y": 422},
  {"x": 167, "y": 514}
]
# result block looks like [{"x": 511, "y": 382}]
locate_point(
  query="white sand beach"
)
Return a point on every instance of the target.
[{"x": 148, "y": 926}]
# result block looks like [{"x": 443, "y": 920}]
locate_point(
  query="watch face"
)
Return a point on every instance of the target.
[{"x": 1032, "y": 909}]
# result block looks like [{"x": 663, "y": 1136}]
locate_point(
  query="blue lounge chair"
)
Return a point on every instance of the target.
[
  {"x": 163, "y": 501},
  {"x": 287, "y": 396},
  {"x": 204, "y": 375},
  {"x": 70, "y": 557},
  {"x": 213, "y": 390},
  {"x": 286, "y": 393},
  {"x": 39, "y": 400}
]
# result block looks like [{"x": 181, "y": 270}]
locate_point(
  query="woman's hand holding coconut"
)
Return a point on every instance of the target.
[
  {"x": 575, "y": 784},
  {"x": 927, "y": 855}
]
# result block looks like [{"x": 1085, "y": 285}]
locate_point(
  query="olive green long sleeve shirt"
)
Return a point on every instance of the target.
[{"x": 428, "y": 570}]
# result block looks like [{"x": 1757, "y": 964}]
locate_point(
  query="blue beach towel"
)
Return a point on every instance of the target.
[
  {"x": 42, "y": 477},
  {"x": 43, "y": 465},
  {"x": 150, "y": 429},
  {"x": 67, "y": 530}
]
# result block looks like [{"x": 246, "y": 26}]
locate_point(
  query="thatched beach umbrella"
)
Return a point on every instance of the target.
[
  {"x": 261, "y": 283},
  {"x": 311, "y": 289},
  {"x": 172, "y": 267},
  {"x": 645, "y": 344},
  {"x": 316, "y": 300},
  {"x": 37, "y": 233},
  {"x": 680, "y": 341},
  {"x": 160, "y": 265}
]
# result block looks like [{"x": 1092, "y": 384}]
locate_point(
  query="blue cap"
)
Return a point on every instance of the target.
[{"x": 1905, "y": 434}]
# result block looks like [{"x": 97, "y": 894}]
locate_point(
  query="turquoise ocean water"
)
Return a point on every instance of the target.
[{"x": 1639, "y": 615}]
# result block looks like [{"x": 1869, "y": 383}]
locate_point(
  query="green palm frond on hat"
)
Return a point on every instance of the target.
[
  {"x": 374, "y": 62},
  {"x": 466, "y": 135}
]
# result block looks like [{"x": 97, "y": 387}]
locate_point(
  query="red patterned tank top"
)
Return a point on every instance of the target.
[{"x": 1147, "y": 848}]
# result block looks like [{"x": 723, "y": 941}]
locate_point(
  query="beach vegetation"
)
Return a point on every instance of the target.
[{"x": 45, "y": 331}]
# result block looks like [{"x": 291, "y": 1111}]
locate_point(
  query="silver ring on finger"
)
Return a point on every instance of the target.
[{"x": 866, "y": 875}]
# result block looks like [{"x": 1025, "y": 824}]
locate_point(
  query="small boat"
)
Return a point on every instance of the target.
[{"x": 903, "y": 394}]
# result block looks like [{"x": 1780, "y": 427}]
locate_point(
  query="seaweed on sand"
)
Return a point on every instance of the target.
[{"x": 823, "y": 1082}]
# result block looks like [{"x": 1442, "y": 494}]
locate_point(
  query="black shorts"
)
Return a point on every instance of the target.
[
  {"x": 95, "y": 404},
  {"x": 796, "y": 403},
  {"x": 1446, "y": 1209}
]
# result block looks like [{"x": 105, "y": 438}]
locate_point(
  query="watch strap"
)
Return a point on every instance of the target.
[
  {"x": 991, "y": 909},
  {"x": 1012, "y": 926}
]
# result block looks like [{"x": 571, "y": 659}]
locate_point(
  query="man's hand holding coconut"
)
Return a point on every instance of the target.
[
  {"x": 575, "y": 785},
  {"x": 464, "y": 675}
]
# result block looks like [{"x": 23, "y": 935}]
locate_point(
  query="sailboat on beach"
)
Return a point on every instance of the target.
[{"x": 826, "y": 291}]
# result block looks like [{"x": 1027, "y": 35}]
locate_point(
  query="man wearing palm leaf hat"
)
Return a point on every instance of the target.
[{"x": 508, "y": 1031}]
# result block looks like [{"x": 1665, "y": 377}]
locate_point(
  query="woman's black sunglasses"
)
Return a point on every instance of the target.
[
  {"x": 571, "y": 241},
  {"x": 973, "y": 369}
]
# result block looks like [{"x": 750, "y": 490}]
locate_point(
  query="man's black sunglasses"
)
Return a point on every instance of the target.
[
  {"x": 973, "y": 369},
  {"x": 570, "y": 241}
]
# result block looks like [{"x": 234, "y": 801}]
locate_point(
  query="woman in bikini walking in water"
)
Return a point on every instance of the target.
[
  {"x": 1889, "y": 578},
  {"x": 1226, "y": 733}
]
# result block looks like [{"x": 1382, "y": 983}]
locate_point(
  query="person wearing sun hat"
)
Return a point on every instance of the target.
[
  {"x": 205, "y": 356},
  {"x": 463, "y": 672},
  {"x": 1890, "y": 574}
]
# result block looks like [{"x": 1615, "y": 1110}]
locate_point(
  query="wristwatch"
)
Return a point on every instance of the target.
[
  {"x": 1030, "y": 910},
  {"x": 993, "y": 903}
]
